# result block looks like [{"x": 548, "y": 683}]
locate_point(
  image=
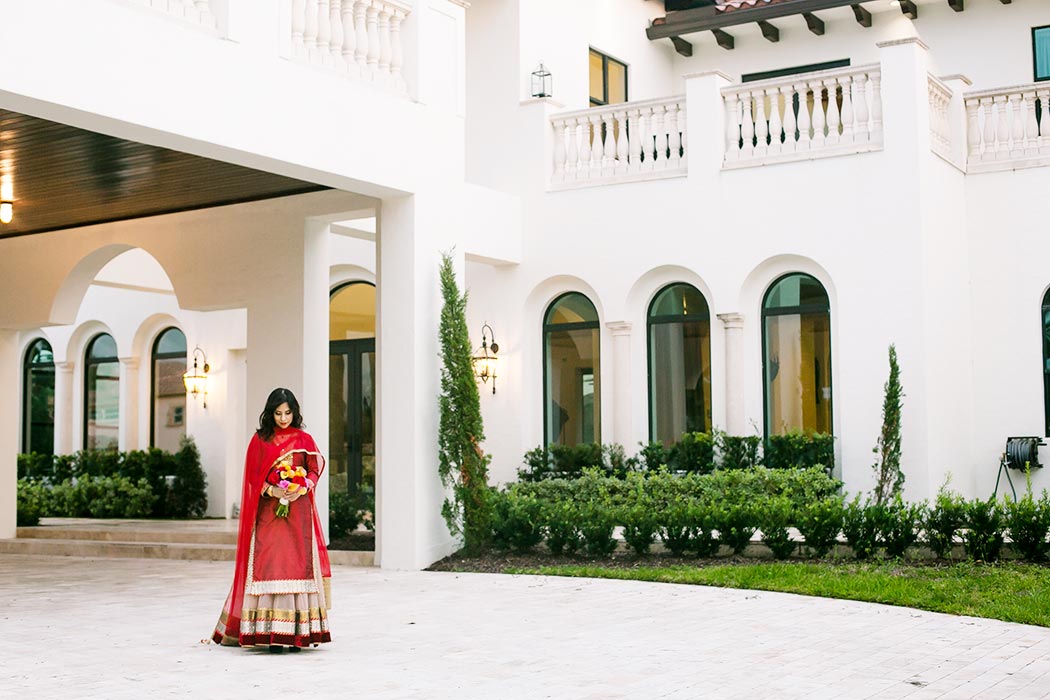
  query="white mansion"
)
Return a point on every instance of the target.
[{"x": 707, "y": 215}]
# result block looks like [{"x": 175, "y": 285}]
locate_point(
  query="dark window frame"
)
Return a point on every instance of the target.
[
  {"x": 794, "y": 70},
  {"x": 800, "y": 310},
  {"x": 154, "y": 356},
  {"x": 27, "y": 368},
  {"x": 547, "y": 329},
  {"x": 650, "y": 321},
  {"x": 1035, "y": 56},
  {"x": 88, "y": 362},
  {"x": 1045, "y": 326},
  {"x": 605, "y": 79}
]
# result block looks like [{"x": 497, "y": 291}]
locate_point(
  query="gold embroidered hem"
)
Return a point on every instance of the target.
[{"x": 287, "y": 619}]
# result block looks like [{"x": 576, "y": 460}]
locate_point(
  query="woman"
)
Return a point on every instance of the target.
[{"x": 280, "y": 595}]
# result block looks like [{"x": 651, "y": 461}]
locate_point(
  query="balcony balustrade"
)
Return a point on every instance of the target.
[
  {"x": 940, "y": 96},
  {"x": 196, "y": 11},
  {"x": 360, "y": 38},
  {"x": 1008, "y": 128}
]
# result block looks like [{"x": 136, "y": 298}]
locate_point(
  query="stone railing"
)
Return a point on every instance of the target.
[
  {"x": 196, "y": 11},
  {"x": 810, "y": 115},
  {"x": 360, "y": 38},
  {"x": 619, "y": 143},
  {"x": 1008, "y": 128},
  {"x": 940, "y": 118}
]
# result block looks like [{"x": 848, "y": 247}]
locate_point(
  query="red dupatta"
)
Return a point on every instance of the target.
[{"x": 262, "y": 455}]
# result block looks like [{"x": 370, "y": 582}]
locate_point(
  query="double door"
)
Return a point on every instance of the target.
[{"x": 352, "y": 391}]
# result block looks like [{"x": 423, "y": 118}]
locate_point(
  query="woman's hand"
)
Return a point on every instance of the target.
[{"x": 292, "y": 497}]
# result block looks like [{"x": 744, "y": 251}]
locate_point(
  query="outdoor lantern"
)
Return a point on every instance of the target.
[
  {"x": 7, "y": 212},
  {"x": 541, "y": 82},
  {"x": 196, "y": 380},
  {"x": 485, "y": 358},
  {"x": 7, "y": 195}
]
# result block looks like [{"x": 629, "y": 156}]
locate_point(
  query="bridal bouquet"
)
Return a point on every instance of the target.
[{"x": 292, "y": 479}]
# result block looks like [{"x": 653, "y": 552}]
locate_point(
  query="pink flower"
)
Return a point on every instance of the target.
[{"x": 283, "y": 483}]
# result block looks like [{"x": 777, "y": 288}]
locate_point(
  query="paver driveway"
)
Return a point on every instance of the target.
[{"x": 131, "y": 628}]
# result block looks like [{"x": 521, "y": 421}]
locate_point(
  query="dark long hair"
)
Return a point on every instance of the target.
[{"x": 267, "y": 424}]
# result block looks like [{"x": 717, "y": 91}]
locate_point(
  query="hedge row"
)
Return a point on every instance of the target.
[
  {"x": 703, "y": 515},
  {"x": 110, "y": 484},
  {"x": 700, "y": 453}
]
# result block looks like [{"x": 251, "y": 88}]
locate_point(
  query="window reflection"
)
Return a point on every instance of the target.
[
  {"x": 38, "y": 410},
  {"x": 572, "y": 396},
  {"x": 102, "y": 394}
]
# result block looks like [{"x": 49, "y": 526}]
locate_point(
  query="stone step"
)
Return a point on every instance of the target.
[{"x": 145, "y": 535}]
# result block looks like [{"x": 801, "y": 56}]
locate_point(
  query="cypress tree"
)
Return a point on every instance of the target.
[
  {"x": 461, "y": 462},
  {"x": 889, "y": 479}
]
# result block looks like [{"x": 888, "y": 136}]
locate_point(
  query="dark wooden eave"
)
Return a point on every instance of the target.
[{"x": 703, "y": 19}]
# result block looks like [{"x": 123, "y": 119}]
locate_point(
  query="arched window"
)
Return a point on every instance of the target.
[
  {"x": 1046, "y": 361},
  {"x": 101, "y": 394},
  {"x": 796, "y": 358},
  {"x": 572, "y": 377},
  {"x": 38, "y": 402},
  {"x": 167, "y": 391},
  {"x": 352, "y": 388},
  {"x": 679, "y": 364}
]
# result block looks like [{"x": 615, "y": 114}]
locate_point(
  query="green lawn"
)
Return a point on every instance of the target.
[{"x": 1008, "y": 591}]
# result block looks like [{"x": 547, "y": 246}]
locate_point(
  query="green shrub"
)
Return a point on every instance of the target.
[
  {"x": 596, "y": 523},
  {"x": 819, "y": 522},
  {"x": 736, "y": 525},
  {"x": 703, "y": 541},
  {"x": 738, "y": 452},
  {"x": 63, "y": 467},
  {"x": 188, "y": 497},
  {"x": 694, "y": 452},
  {"x": 560, "y": 527},
  {"x": 943, "y": 521},
  {"x": 33, "y": 502},
  {"x": 983, "y": 533},
  {"x": 862, "y": 525},
  {"x": 343, "y": 514},
  {"x": 1028, "y": 523},
  {"x": 637, "y": 514},
  {"x": 98, "y": 463},
  {"x": 518, "y": 521},
  {"x": 776, "y": 517},
  {"x": 902, "y": 524},
  {"x": 570, "y": 461},
  {"x": 35, "y": 467},
  {"x": 652, "y": 456},
  {"x": 800, "y": 450},
  {"x": 675, "y": 525}
]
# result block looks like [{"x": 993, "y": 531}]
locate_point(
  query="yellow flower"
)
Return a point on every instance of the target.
[{"x": 292, "y": 488}]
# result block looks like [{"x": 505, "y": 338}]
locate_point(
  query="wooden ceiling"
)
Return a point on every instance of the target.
[{"x": 64, "y": 177}]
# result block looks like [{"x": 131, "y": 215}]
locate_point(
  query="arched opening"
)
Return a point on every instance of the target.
[
  {"x": 352, "y": 388},
  {"x": 167, "y": 392},
  {"x": 679, "y": 339},
  {"x": 38, "y": 399},
  {"x": 571, "y": 372},
  {"x": 101, "y": 394},
  {"x": 796, "y": 357}
]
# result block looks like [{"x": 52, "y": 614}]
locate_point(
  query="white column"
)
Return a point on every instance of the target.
[
  {"x": 410, "y": 532},
  {"x": 63, "y": 407},
  {"x": 734, "y": 372},
  {"x": 127, "y": 433},
  {"x": 621, "y": 383},
  {"x": 706, "y": 123},
  {"x": 9, "y": 420},
  {"x": 315, "y": 344}
]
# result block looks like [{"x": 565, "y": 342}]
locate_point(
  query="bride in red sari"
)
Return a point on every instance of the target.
[{"x": 281, "y": 584}]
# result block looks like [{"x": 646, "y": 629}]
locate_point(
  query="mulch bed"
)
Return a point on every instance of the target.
[
  {"x": 498, "y": 562},
  {"x": 358, "y": 541}
]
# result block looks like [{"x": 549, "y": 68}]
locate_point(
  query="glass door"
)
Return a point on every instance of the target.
[{"x": 352, "y": 390}]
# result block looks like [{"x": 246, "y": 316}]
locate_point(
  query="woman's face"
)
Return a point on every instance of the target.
[{"x": 283, "y": 416}]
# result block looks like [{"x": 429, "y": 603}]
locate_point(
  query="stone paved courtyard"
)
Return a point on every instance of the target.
[{"x": 132, "y": 628}]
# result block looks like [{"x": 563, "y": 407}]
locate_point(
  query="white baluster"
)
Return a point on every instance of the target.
[
  {"x": 818, "y": 114},
  {"x": 973, "y": 129},
  {"x": 804, "y": 122},
  {"x": 747, "y": 127},
  {"x": 573, "y": 158},
  {"x": 384, "y": 44},
  {"x": 862, "y": 132},
  {"x": 660, "y": 132},
  {"x": 637, "y": 143},
  {"x": 988, "y": 149},
  {"x": 397, "y": 59},
  {"x": 790, "y": 120},
  {"x": 336, "y": 43},
  {"x": 833, "y": 112},
  {"x": 350, "y": 39},
  {"x": 372, "y": 19},
  {"x": 597, "y": 145},
  {"x": 361, "y": 45},
  {"x": 876, "y": 105},
  {"x": 1016, "y": 126},
  {"x": 732, "y": 126},
  {"x": 324, "y": 32},
  {"x": 775, "y": 125},
  {"x": 623, "y": 147},
  {"x": 1002, "y": 126},
  {"x": 609, "y": 149},
  {"x": 761, "y": 124},
  {"x": 204, "y": 11},
  {"x": 559, "y": 154},
  {"x": 846, "y": 83},
  {"x": 310, "y": 33},
  {"x": 674, "y": 135},
  {"x": 1031, "y": 126},
  {"x": 684, "y": 131},
  {"x": 298, "y": 27},
  {"x": 586, "y": 148},
  {"x": 1044, "y": 122}
]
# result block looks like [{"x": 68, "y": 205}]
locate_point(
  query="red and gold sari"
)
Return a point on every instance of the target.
[{"x": 281, "y": 583}]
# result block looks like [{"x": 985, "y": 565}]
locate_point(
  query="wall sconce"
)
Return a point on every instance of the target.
[
  {"x": 485, "y": 358},
  {"x": 542, "y": 82},
  {"x": 7, "y": 196},
  {"x": 196, "y": 381},
  {"x": 7, "y": 212}
]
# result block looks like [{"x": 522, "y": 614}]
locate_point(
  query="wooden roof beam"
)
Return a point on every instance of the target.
[
  {"x": 769, "y": 31},
  {"x": 862, "y": 15},
  {"x": 725, "y": 40},
  {"x": 683, "y": 47},
  {"x": 815, "y": 24},
  {"x": 956, "y": 5},
  {"x": 702, "y": 19},
  {"x": 909, "y": 9}
]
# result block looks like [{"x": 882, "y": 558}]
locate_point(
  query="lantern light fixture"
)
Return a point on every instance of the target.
[
  {"x": 196, "y": 379},
  {"x": 542, "y": 85},
  {"x": 7, "y": 212},
  {"x": 485, "y": 358},
  {"x": 7, "y": 197}
]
